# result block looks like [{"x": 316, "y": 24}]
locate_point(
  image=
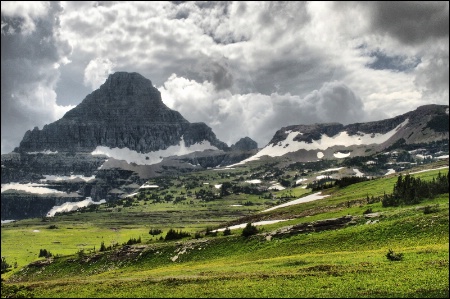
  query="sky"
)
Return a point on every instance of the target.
[{"x": 243, "y": 68}]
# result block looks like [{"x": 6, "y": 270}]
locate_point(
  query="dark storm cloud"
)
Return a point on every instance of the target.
[
  {"x": 28, "y": 73},
  {"x": 411, "y": 22},
  {"x": 261, "y": 65}
]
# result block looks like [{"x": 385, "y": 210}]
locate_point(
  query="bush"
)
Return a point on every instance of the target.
[
  {"x": 210, "y": 232},
  {"x": 44, "y": 253},
  {"x": 249, "y": 230},
  {"x": 368, "y": 211},
  {"x": 392, "y": 256},
  {"x": 155, "y": 231},
  {"x": 175, "y": 235},
  {"x": 102, "y": 246},
  {"x": 14, "y": 291},
  {"x": 5, "y": 266},
  {"x": 132, "y": 241},
  {"x": 227, "y": 231},
  {"x": 431, "y": 209}
]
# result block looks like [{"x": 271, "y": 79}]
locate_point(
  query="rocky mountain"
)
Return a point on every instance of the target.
[
  {"x": 125, "y": 112},
  {"x": 429, "y": 123},
  {"x": 245, "y": 144},
  {"x": 120, "y": 135}
]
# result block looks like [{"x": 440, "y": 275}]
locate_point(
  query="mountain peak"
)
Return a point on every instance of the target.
[{"x": 125, "y": 112}]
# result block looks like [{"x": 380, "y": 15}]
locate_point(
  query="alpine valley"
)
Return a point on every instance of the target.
[
  {"x": 325, "y": 198},
  {"x": 122, "y": 134}
]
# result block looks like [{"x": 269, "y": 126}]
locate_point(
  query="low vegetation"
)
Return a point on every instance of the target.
[{"x": 159, "y": 246}]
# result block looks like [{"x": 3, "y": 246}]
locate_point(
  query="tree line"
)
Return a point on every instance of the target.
[{"x": 409, "y": 190}]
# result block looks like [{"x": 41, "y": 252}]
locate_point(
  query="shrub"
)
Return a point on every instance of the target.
[
  {"x": 44, "y": 253},
  {"x": 175, "y": 235},
  {"x": 227, "y": 231},
  {"x": 249, "y": 230},
  {"x": 392, "y": 256},
  {"x": 102, "y": 246},
  {"x": 368, "y": 211},
  {"x": 155, "y": 231},
  {"x": 132, "y": 241},
  {"x": 431, "y": 209},
  {"x": 5, "y": 267},
  {"x": 209, "y": 232}
]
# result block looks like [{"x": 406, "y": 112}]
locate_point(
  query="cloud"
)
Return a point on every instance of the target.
[
  {"x": 29, "y": 70},
  {"x": 27, "y": 11},
  {"x": 412, "y": 22},
  {"x": 259, "y": 116},
  {"x": 97, "y": 72},
  {"x": 234, "y": 62}
]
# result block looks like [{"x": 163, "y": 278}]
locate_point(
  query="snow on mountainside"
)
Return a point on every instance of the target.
[
  {"x": 152, "y": 157},
  {"x": 330, "y": 141}
]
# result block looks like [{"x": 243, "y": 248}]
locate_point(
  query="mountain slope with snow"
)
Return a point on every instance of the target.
[{"x": 335, "y": 141}]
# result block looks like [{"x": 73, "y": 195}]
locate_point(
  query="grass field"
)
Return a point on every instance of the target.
[{"x": 346, "y": 262}]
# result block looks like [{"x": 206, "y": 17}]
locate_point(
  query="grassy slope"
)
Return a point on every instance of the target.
[{"x": 348, "y": 262}]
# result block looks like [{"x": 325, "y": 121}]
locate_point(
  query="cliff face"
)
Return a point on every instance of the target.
[{"x": 125, "y": 112}]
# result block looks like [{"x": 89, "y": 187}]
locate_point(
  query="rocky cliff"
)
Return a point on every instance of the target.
[{"x": 125, "y": 112}]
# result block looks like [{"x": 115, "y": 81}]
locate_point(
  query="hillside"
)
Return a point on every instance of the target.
[{"x": 334, "y": 246}]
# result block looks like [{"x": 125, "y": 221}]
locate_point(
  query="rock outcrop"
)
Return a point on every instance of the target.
[{"x": 245, "y": 144}]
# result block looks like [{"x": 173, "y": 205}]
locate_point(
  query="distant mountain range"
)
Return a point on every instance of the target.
[
  {"x": 305, "y": 143},
  {"x": 122, "y": 134}
]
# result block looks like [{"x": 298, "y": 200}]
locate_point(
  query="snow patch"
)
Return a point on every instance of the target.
[
  {"x": 308, "y": 198},
  {"x": 340, "y": 155},
  {"x": 218, "y": 186},
  {"x": 145, "y": 186},
  {"x": 320, "y": 155},
  {"x": 424, "y": 156},
  {"x": 73, "y": 206},
  {"x": 276, "y": 187},
  {"x": 331, "y": 169},
  {"x": 132, "y": 194},
  {"x": 442, "y": 157},
  {"x": 45, "y": 152},
  {"x": 358, "y": 173},
  {"x": 30, "y": 188},
  {"x": 65, "y": 178},
  {"x": 299, "y": 181},
  {"x": 390, "y": 171},
  {"x": 343, "y": 138},
  {"x": 131, "y": 156},
  {"x": 254, "y": 181},
  {"x": 7, "y": 221}
]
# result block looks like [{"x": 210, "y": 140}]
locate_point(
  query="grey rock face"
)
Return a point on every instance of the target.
[
  {"x": 245, "y": 144},
  {"x": 126, "y": 111}
]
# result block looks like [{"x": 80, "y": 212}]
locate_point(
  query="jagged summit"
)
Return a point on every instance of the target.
[
  {"x": 125, "y": 112},
  {"x": 245, "y": 144},
  {"x": 124, "y": 98}
]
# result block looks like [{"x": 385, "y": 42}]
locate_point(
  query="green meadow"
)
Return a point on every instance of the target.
[{"x": 349, "y": 261}]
